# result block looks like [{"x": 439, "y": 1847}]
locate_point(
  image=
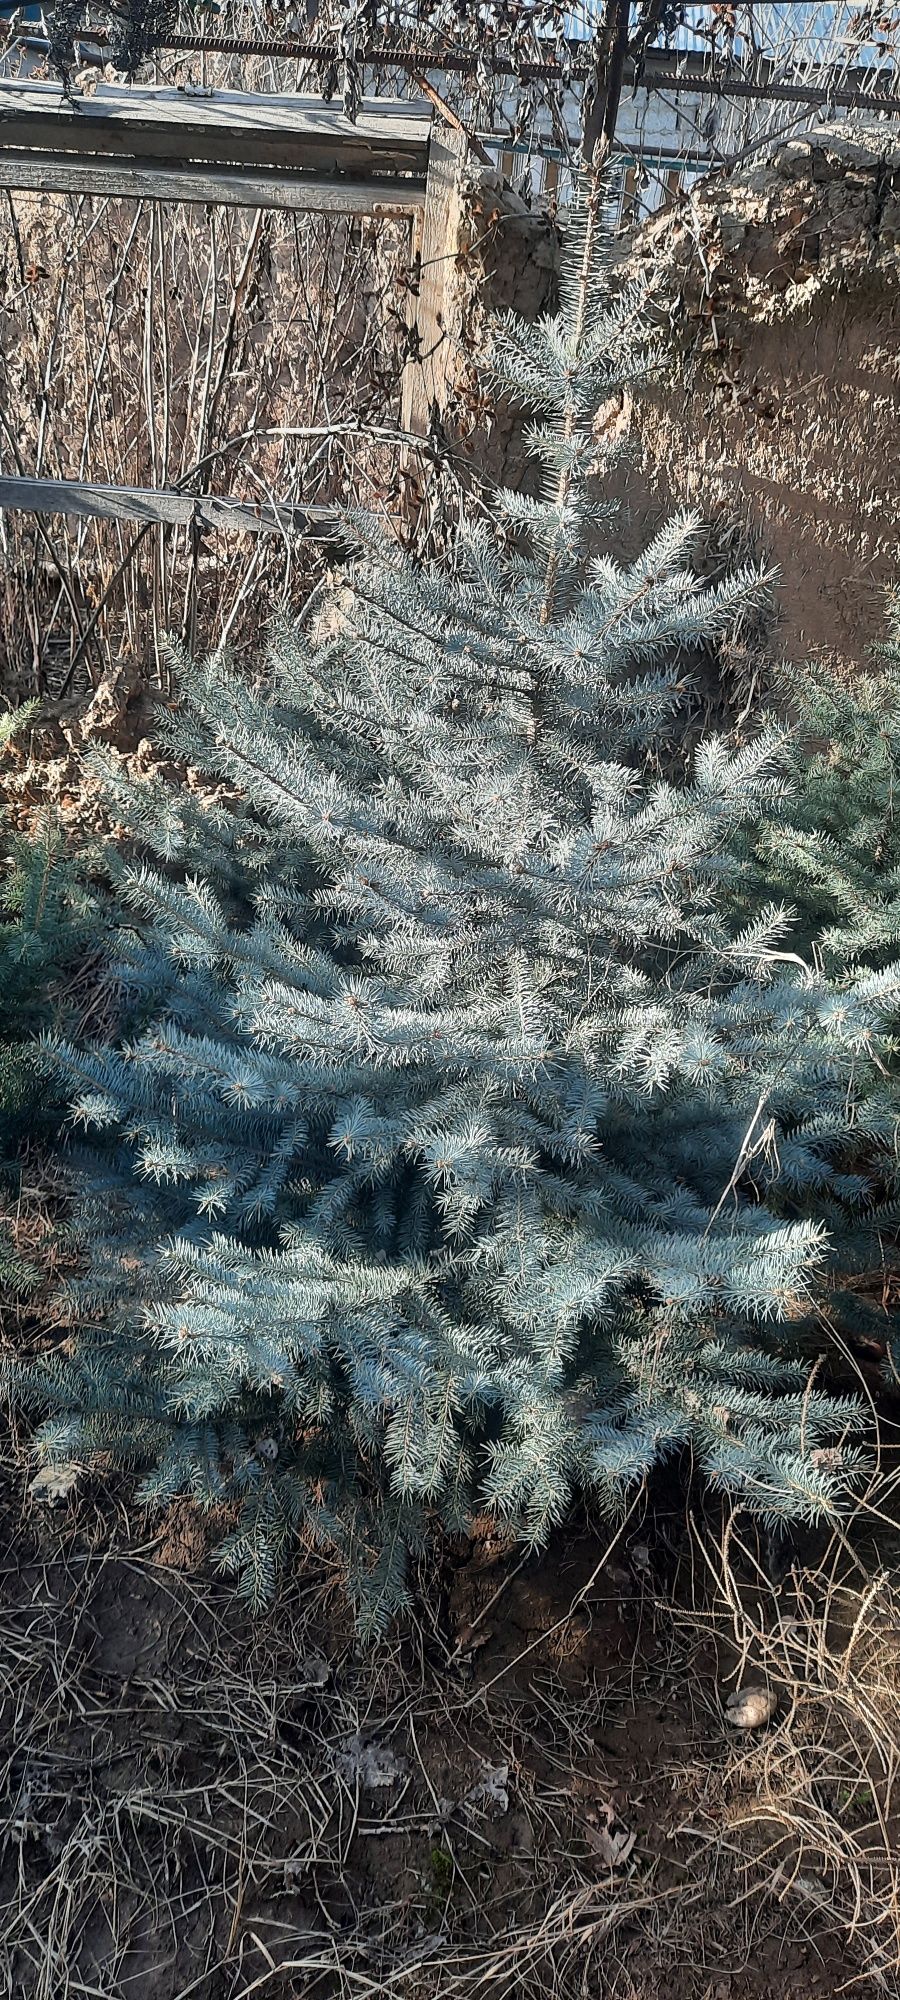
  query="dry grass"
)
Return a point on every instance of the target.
[
  {"x": 806, "y": 1812},
  {"x": 182, "y": 1819},
  {"x": 243, "y": 1867}
]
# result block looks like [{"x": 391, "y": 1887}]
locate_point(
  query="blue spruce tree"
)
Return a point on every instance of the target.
[
  {"x": 463, "y": 1149},
  {"x": 835, "y": 849},
  {"x": 832, "y": 849},
  {"x": 47, "y": 918}
]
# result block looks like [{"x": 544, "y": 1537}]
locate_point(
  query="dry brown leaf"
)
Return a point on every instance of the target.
[
  {"x": 611, "y": 1841},
  {"x": 53, "y": 1484}
]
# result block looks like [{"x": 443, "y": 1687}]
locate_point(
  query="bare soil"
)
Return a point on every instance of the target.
[{"x": 513, "y": 1797}]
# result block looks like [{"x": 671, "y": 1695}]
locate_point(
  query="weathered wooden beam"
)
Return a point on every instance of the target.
[
  {"x": 233, "y": 187},
  {"x": 432, "y": 350},
  {"x": 148, "y": 504},
  {"x": 226, "y": 128}
]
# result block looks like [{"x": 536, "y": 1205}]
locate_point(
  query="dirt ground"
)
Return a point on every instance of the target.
[{"x": 532, "y": 1791}]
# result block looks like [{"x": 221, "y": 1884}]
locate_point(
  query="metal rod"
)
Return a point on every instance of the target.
[
  {"x": 604, "y": 93},
  {"x": 730, "y": 83}
]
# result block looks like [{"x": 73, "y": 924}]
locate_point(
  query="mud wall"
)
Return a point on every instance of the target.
[
  {"x": 778, "y": 412},
  {"x": 782, "y": 295}
]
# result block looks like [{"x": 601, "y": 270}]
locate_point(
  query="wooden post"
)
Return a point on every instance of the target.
[{"x": 431, "y": 358}]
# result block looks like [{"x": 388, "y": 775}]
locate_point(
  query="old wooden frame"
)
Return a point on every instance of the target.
[
  {"x": 292, "y": 146},
  {"x": 240, "y": 149}
]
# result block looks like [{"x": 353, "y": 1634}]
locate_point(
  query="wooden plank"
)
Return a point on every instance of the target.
[
  {"x": 228, "y": 127},
  {"x": 235, "y": 187},
  {"x": 148, "y": 504},
  {"x": 428, "y": 371}
]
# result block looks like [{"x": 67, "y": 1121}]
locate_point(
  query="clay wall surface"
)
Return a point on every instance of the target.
[
  {"x": 778, "y": 412},
  {"x": 782, "y": 292}
]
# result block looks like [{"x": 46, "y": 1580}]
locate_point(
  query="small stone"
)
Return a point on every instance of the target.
[
  {"x": 750, "y": 1707},
  {"x": 312, "y": 1672}
]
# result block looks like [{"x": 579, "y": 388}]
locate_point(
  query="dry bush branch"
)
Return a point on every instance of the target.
[{"x": 146, "y": 344}]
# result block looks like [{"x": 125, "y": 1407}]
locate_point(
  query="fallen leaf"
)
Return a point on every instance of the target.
[
  {"x": 471, "y": 1641},
  {"x": 612, "y": 1841},
  {"x": 492, "y": 1788},
  {"x": 370, "y": 1765},
  {"x": 53, "y": 1484}
]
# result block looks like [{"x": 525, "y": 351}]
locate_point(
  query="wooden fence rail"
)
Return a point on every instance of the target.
[
  {"x": 226, "y": 128},
  {"x": 240, "y": 148},
  {"x": 232, "y": 187},
  {"x": 147, "y": 505}
]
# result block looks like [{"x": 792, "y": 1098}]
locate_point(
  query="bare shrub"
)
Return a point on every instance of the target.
[{"x": 246, "y": 352}]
